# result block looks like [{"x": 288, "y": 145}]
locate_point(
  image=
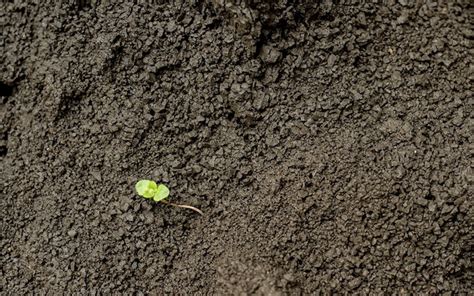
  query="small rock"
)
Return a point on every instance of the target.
[
  {"x": 432, "y": 206},
  {"x": 171, "y": 26},
  {"x": 96, "y": 175},
  {"x": 421, "y": 201},
  {"x": 468, "y": 33},
  {"x": 396, "y": 78},
  {"x": 446, "y": 209},
  {"x": 260, "y": 102},
  {"x": 148, "y": 217},
  {"x": 289, "y": 277},
  {"x": 270, "y": 54},
  {"x": 331, "y": 60},
  {"x": 124, "y": 207},
  {"x": 355, "y": 283},
  {"x": 128, "y": 217},
  {"x": 402, "y": 18},
  {"x": 72, "y": 233},
  {"x": 272, "y": 141}
]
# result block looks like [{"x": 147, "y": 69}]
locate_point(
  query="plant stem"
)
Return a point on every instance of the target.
[{"x": 183, "y": 206}]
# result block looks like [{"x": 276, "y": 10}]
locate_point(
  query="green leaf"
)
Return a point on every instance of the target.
[
  {"x": 161, "y": 193},
  {"x": 146, "y": 188}
]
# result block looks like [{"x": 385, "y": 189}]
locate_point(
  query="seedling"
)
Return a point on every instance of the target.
[{"x": 149, "y": 189}]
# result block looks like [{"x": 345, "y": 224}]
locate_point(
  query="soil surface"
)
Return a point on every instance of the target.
[{"x": 328, "y": 145}]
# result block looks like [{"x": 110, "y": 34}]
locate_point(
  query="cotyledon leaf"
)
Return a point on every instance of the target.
[
  {"x": 146, "y": 188},
  {"x": 161, "y": 193}
]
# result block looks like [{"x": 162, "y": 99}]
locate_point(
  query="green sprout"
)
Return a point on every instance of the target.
[{"x": 149, "y": 189}]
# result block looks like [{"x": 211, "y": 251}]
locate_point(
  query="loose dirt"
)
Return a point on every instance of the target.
[{"x": 328, "y": 145}]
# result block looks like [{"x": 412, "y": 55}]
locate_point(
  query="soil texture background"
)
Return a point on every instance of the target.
[{"x": 328, "y": 145}]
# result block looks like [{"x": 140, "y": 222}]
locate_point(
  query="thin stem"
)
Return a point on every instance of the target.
[{"x": 183, "y": 206}]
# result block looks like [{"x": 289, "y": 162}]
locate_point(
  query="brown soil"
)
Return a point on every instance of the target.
[{"x": 329, "y": 147}]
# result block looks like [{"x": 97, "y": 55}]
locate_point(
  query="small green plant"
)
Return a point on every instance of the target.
[{"x": 149, "y": 189}]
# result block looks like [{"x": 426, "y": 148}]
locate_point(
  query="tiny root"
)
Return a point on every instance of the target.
[{"x": 183, "y": 206}]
